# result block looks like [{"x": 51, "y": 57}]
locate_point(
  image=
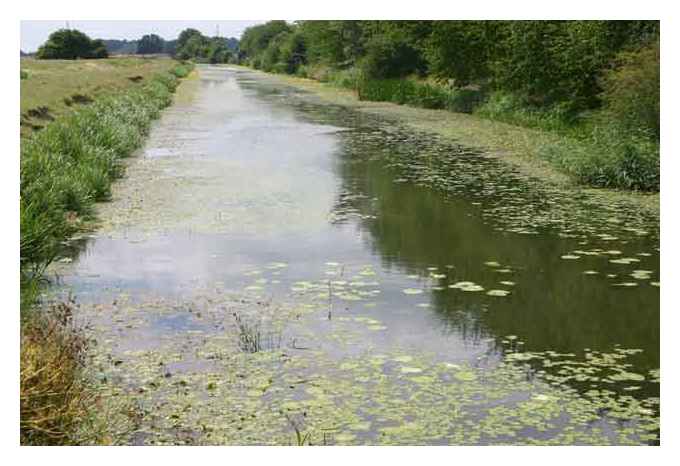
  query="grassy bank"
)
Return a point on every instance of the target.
[
  {"x": 65, "y": 168},
  {"x": 51, "y": 89}
]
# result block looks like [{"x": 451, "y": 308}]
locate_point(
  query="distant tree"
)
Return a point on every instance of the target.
[
  {"x": 120, "y": 47},
  {"x": 184, "y": 37},
  {"x": 71, "y": 44},
  {"x": 293, "y": 51},
  {"x": 256, "y": 39},
  {"x": 390, "y": 57},
  {"x": 99, "y": 49},
  {"x": 150, "y": 43},
  {"x": 196, "y": 47},
  {"x": 218, "y": 50},
  {"x": 170, "y": 47}
]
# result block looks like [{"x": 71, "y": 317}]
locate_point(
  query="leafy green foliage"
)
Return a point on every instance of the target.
[
  {"x": 192, "y": 45},
  {"x": 150, "y": 43},
  {"x": 631, "y": 92},
  {"x": 71, "y": 44},
  {"x": 609, "y": 157},
  {"x": 390, "y": 58},
  {"x": 255, "y": 41}
]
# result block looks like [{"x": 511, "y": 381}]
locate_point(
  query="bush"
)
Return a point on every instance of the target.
[
  {"x": 419, "y": 94},
  {"x": 611, "y": 157},
  {"x": 71, "y": 44},
  {"x": 513, "y": 109},
  {"x": 631, "y": 93},
  {"x": 182, "y": 70},
  {"x": 390, "y": 58},
  {"x": 348, "y": 79}
]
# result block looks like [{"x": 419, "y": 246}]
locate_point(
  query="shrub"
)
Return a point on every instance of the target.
[
  {"x": 71, "y": 44},
  {"x": 390, "y": 58},
  {"x": 182, "y": 70},
  {"x": 513, "y": 109},
  {"x": 348, "y": 79},
  {"x": 419, "y": 94},
  {"x": 631, "y": 93}
]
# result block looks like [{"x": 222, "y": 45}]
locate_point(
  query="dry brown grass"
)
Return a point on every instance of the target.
[{"x": 54, "y": 400}]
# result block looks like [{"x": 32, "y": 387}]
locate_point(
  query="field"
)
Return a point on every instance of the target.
[{"x": 52, "y": 88}]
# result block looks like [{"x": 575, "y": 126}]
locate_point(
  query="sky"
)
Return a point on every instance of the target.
[{"x": 35, "y": 33}]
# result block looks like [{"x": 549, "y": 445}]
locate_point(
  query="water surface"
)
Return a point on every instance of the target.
[{"x": 343, "y": 238}]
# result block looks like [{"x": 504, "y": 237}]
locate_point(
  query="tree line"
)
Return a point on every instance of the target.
[
  {"x": 597, "y": 82},
  {"x": 190, "y": 45},
  {"x": 545, "y": 62}
]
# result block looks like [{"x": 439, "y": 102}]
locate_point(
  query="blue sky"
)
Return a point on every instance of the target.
[{"x": 34, "y": 33}]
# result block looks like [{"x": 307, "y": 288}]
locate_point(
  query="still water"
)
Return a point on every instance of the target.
[{"x": 390, "y": 278}]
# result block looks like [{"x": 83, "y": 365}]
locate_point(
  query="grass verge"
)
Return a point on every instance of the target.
[{"x": 65, "y": 168}]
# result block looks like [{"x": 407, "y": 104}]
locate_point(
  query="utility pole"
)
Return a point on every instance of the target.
[{"x": 217, "y": 30}]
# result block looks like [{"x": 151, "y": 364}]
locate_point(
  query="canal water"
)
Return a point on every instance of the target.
[{"x": 278, "y": 270}]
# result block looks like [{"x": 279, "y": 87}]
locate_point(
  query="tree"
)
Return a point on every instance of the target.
[
  {"x": 150, "y": 43},
  {"x": 185, "y": 35},
  {"x": 70, "y": 44},
  {"x": 256, "y": 39},
  {"x": 196, "y": 47},
  {"x": 218, "y": 50}
]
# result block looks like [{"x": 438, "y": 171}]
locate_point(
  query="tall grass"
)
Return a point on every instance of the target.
[
  {"x": 71, "y": 164},
  {"x": 608, "y": 156},
  {"x": 53, "y": 403},
  {"x": 65, "y": 169},
  {"x": 419, "y": 94},
  {"x": 510, "y": 108}
]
